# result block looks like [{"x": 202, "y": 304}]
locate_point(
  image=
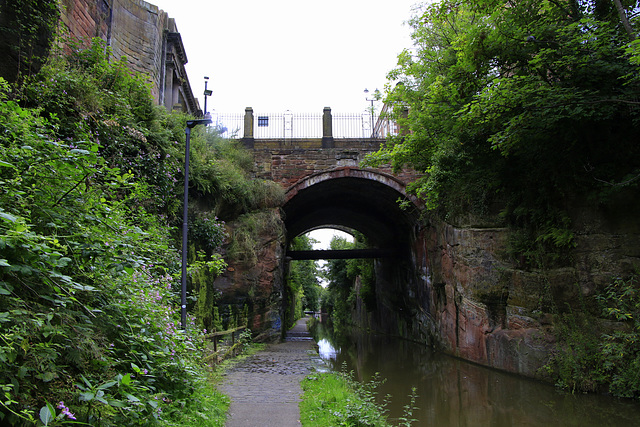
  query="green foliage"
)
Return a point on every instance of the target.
[
  {"x": 86, "y": 98},
  {"x": 364, "y": 269},
  {"x": 303, "y": 290},
  {"x": 27, "y": 28},
  {"x": 245, "y": 338},
  {"x": 220, "y": 172},
  {"x": 521, "y": 106},
  {"x": 600, "y": 357},
  {"x": 85, "y": 289},
  {"x": 250, "y": 232},
  {"x": 577, "y": 363},
  {"x": 304, "y": 274},
  {"x": 206, "y": 407},
  {"x": 340, "y": 297},
  {"x": 621, "y": 347},
  {"x": 337, "y": 399},
  {"x": 89, "y": 307},
  {"x": 206, "y": 230}
]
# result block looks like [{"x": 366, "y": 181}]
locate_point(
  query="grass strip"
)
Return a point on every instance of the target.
[{"x": 336, "y": 399}]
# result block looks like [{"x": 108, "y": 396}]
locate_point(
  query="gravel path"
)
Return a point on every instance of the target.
[{"x": 265, "y": 388}]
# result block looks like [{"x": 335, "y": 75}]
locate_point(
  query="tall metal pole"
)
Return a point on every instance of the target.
[
  {"x": 375, "y": 98},
  {"x": 372, "y": 125},
  {"x": 185, "y": 229},
  {"x": 183, "y": 291},
  {"x": 207, "y": 93}
]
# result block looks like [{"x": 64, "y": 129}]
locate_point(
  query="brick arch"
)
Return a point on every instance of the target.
[
  {"x": 361, "y": 199},
  {"x": 350, "y": 172}
]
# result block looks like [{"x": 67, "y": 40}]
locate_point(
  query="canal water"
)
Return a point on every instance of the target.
[{"x": 452, "y": 392}]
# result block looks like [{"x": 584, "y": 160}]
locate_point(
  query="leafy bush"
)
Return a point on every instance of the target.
[
  {"x": 248, "y": 232},
  {"x": 593, "y": 356},
  {"x": 89, "y": 310},
  {"x": 221, "y": 173},
  {"x": 526, "y": 108},
  {"x": 621, "y": 347}
]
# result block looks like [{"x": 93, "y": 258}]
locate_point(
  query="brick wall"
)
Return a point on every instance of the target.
[
  {"x": 286, "y": 161},
  {"x": 86, "y": 19},
  {"x": 142, "y": 33}
]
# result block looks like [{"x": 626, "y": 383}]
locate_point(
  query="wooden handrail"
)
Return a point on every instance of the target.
[{"x": 215, "y": 335}]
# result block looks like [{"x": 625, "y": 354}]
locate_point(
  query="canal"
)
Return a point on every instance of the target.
[{"x": 452, "y": 392}]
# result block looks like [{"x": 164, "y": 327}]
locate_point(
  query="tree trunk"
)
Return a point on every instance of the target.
[{"x": 624, "y": 19}]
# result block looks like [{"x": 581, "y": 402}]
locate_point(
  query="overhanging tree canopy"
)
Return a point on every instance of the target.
[{"x": 531, "y": 102}]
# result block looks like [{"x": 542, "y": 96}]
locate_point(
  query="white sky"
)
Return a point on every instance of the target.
[
  {"x": 296, "y": 55},
  {"x": 299, "y": 55},
  {"x": 324, "y": 236}
]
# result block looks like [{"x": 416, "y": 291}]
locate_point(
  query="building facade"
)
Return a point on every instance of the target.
[{"x": 143, "y": 34}]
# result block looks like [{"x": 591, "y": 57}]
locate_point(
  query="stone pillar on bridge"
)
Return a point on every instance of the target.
[
  {"x": 248, "y": 139},
  {"x": 327, "y": 129}
]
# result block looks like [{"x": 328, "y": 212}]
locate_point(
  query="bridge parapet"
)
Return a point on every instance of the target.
[
  {"x": 290, "y": 147},
  {"x": 288, "y": 125}
]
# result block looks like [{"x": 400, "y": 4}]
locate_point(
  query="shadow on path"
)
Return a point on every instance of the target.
[{"x": 265, "y": 388}]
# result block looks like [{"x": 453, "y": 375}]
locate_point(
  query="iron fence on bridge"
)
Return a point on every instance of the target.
[{"x": 299, "y": 125}]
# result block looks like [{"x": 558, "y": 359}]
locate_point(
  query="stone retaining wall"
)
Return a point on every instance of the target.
[{"x": 143, "y": 34}]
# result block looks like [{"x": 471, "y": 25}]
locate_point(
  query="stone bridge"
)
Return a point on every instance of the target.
[
  {"x": 450, "y": 284},
  {"x": 325, "y": 186},
  {"x": 435, "y": 283}
]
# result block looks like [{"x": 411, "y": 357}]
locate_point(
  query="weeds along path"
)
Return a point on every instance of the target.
[{"x": 265, "y": 388}]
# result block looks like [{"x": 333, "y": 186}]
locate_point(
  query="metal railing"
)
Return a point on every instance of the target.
[
  {"x": 294, "y": 125},
  {"x": 384, "y": 126},
  {"x": 230, "y": 125}
]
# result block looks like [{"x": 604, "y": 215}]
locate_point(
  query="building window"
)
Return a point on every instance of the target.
[{"x": 263, "y": 121}]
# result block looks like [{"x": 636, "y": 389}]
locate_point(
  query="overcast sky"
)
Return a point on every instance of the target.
[
  {"x": 296, "y": 55},
  {"x": 290, "y": 54}
]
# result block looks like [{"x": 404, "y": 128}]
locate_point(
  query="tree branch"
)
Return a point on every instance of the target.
[
  {"x": 625, "y": 21},
  {"x": 72, "y": 188},
  {"x": 619, "y": 184}
]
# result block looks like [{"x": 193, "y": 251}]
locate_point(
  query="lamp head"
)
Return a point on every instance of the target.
[{"x": 204, "y": 121}]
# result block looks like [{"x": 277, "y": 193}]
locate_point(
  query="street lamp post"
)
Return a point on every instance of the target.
[
  {"x": 376, "y": 96},
  {"x": 183, "y": 300},
  {"x": 207, "y": 93}
]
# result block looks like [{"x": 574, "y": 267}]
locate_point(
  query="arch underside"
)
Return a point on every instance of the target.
[{"x": 355, "y": 199}]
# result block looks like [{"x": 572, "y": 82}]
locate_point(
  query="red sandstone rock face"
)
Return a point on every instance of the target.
[
  {"x": 469, "y": 293},
  {"x": 258, "y": 283},
  {"x": 489, "y": 311}
]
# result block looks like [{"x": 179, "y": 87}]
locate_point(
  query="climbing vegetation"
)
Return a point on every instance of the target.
[
  {"x": 27, "y": 28},
  {"x": 90, "y": 190},
  {"x": 597, "y": 355}
]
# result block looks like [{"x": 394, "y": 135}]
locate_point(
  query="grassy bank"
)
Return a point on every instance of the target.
[{"x": 336, "y": 399}]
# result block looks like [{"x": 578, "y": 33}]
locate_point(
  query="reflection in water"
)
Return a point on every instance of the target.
[
  {"x": 326, "y": 350},
  {"x": 452, "y": 392}
]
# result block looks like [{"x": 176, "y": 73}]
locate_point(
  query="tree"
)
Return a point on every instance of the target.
[
  {"x": 303, "y": 289},
  {"x": 305, "y": 273},
  {"x": 527, "y": 103},
  {"x": 338, "y": 299}
]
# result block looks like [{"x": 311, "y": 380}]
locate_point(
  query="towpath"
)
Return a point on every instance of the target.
[{"x": 265, "y": 388}]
